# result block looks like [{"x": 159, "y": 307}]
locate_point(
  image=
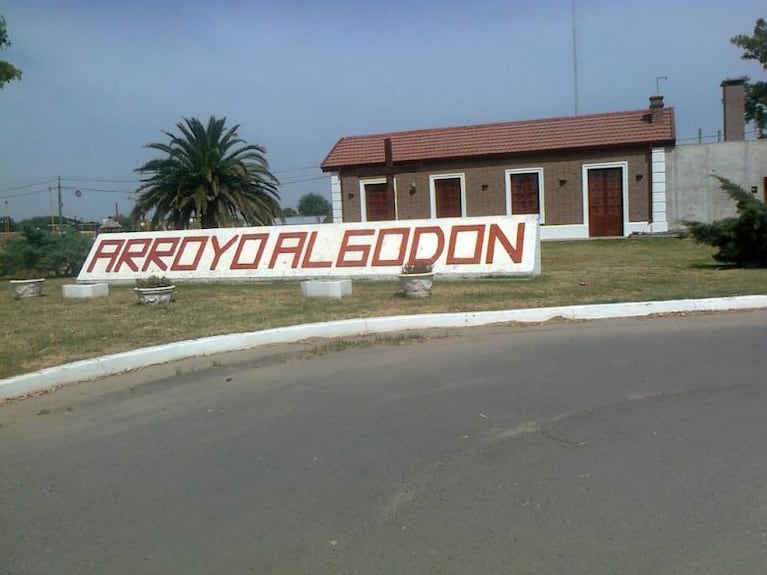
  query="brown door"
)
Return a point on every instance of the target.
[
  {"x": 379, "y": 202},
  {"x": 605, "y": 202},
  {"x": 447, "y": 192},
  {"x": 524, "y": 194}
]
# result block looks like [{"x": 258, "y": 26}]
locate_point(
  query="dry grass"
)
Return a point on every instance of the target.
[{"x": 41, "y": 332}]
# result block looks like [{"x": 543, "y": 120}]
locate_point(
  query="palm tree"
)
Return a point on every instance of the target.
[{"x": 210, "y": 174}]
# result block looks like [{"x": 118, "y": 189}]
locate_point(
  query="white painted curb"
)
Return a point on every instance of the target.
[{"x": 120, "y": 362}]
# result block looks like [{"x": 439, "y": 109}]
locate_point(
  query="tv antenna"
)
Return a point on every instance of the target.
[{"x": 657, "y": 83}]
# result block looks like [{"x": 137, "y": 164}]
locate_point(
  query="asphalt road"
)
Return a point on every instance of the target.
[{"x": 628, "y": 447}]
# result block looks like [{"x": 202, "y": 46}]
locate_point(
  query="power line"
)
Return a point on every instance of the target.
[
  {"x": 323, "y": 177},
  {"x": 101, "y": 181},
  {"x": 85, "y": 179},
  {"x": 288, "y": 170},
  {"x": 22, "y": 194},
  {"x": 96, "y": 190},
  {"x": 38, "y": 183}
]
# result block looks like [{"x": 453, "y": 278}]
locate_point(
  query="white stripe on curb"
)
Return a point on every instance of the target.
[{"x": 120, "y": 362}]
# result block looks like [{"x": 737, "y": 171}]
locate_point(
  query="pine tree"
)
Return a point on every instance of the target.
[{"x": 742, "y": 240}]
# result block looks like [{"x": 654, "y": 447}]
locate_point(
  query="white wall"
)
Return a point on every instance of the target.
[{"x": 693, "y": 194}]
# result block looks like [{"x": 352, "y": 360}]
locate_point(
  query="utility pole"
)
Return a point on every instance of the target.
[
  {"x": 50, "y": 198},
  {"x": 61, "y": 206}
]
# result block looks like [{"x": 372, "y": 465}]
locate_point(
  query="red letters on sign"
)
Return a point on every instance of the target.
[
  {"x": 404, "y": 234},
  {"x": 253, "y": 264},
  {"x": 129, "y": 254},
  {"x": 363, "y": 249},
  {"x": 515, "y": 252},
  {"x": 295, "y": 249},
  {"x": 218, "y": 250},
  {"x": 155, "y": 253},
  {"x": 177, "y": 266},
  {"x": 479, "y": 231},
  {"x": 105, "y": 250},
  {"x": 307, "y": 261},
  {"x": 462, "y": 246},
  {"x": 417, "y": 234}
]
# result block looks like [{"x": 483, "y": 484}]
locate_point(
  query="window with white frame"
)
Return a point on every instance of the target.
[
  {"x": 448, "y": 196},
  {"x": 524, "y": 192},
  {"x": 377, "y": 200}
]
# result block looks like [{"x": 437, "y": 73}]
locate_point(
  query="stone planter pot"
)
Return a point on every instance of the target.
[
  {"x": 416, "y": 285},
  {"x": 155, "y": 296},
  {"x": 27, "y": 288}
]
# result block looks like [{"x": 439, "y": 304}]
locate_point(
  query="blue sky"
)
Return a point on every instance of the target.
[{"x": 104, "y": 77}]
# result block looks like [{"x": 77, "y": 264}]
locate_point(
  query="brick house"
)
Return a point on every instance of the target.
[{"x": 586, "y": 176}]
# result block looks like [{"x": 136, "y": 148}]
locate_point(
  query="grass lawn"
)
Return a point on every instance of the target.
[{"x": 47, "y": 331}]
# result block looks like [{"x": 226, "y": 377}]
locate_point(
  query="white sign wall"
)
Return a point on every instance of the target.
[{"x": 497, "y": 246}]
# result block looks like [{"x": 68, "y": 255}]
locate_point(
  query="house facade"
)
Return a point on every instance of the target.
[{"x": 597, "y": 175}]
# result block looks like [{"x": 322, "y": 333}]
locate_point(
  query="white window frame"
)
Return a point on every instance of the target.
[
  {"x": 433, "y": 192},
  {"x": 624, "y": 166},
  {"x": 364, "y": 197},
  {"x": 541, "y": 202}
]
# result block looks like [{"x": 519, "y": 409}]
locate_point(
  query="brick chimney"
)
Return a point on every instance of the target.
[
  {"x": 656, "y": 105},
  {"x": 734, "y": 104}
]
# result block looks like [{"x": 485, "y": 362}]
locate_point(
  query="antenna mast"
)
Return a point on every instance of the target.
[
  {"x": 575, "y": 62},
  {"x": 657, "y": 83}
]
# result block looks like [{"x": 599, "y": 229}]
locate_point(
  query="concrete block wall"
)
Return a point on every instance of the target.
[{"x": 691, "y": 191}]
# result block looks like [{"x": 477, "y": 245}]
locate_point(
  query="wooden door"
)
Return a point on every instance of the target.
[
  {"x": 605, "y": 188},
  {"x": 524, "y": 194},
  {"x": 447, "y": 193},
  {"x": 379, "y": 202}
]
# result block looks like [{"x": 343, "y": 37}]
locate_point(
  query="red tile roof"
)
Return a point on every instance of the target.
[{"x": 554, "y": 134}]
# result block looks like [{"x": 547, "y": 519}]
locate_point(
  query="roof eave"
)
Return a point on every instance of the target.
[{"x": 670, "y": 141}]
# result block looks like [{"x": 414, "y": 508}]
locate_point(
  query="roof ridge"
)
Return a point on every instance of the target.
[{"x": 585, "y": 117}]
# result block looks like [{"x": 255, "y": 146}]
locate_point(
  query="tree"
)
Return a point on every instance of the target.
[
  {"x": 45, "y": 253},
  {"x": 288, "y": 213},
  {"x": 313, "y": 205},
  {"x": 8, "y": 72},
  {"x": 741, "y": 240},
  {"x": 49, "y": 223},
  {"x": 210, "y": 174},
  {"x": 38, "y": 222},
  {"x": 755, "y": 48}
]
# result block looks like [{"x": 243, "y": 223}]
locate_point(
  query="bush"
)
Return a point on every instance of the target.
[
  {"x": 45, "y": 253},
  {"x": 409, "y": 269},
  {"x": 153, "y": 282},
  {"x": 741, "y": 240}
]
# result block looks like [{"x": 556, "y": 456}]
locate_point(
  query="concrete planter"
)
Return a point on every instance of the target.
[
  {"x": 416, "y": 285},
  {"x": 331, "y": 289},
  {"x": 84, "y": 291},
  {"x": 27, "y": 288},
  {"x": 155, "y": 296}
]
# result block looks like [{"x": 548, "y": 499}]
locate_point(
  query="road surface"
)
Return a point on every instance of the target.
[{"x": 625, "y": 446}]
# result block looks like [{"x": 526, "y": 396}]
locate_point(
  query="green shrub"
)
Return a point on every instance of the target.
[
  {"x": 742, "y": 240},
  {"x": 153, "y": 282},
  {"x": 409, "y": 269},
  {"x": 45, "y": 253}
]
